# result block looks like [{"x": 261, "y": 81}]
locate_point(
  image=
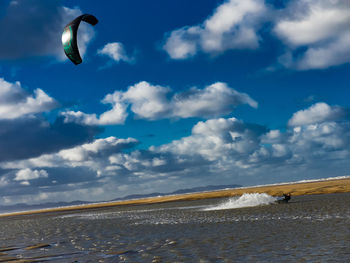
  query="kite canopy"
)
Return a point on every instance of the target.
[{"x": 69, "y": 37}]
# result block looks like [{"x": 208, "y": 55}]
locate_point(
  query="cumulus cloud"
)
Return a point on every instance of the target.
[
  {"x": 320, "y": 140},
  {"x": 4, "y": 181},
  {"x": 219, "y": 150},
  {"x": 116, "y": 115},
  {"x": 148, "y": 101},
  {"x": 233, "y": 25},
  {"x": 38, "y": 26},
  {"x": 24, "y": 129},
  {"x": 85, "y": 166},
  {"x": 317, "y": 113},
  {"x": 218, "y": 139},
  {"x": 30, "y": 137},
  {"x": 116, "y": 52},
  {"x": 213, "y": 100},
  {"x": 316, "y": 33},
  {"x": 321, "y": 28},
  {"x": 98, "y": 148},
  {"x": 25, "y": 175},
  {"x": 232, "y": 145},
  {"x": 15, "y": 102},
  {"x": 92, "y": 155},
  {"x": 152, "y": 102},
  {"x": 105, "y": 164}
]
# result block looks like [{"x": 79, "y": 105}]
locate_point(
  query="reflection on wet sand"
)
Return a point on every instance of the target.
[
  {"x": 309, "y": 228},
  {"x": 18, "y": 254}
]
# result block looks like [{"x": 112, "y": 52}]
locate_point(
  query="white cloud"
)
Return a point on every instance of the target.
[
  {"x": 221, "y": 144},
  {"x": 183, "y": 43},
  {"x": 116, "y": 52},
  {"x": 4, "y": 181},
  {"x": 98, "y": 148},
  {"x": 333, "y": 53},
  {"x": 148, "y": 101},
  {"x": 280, "y": 150},
  {"x": 316, "y": 32},
  {"x": 233, "y": 25},
  {"x": 317, "y": 113},
  {"x": 216, "y": 99},
  {"x": 93, "y": 155},
  {"x": 28, "y": 174},
  {"x": 15, "y": 102},
  {"x": 323, "y": 27},
  {"x": 232, "y": 145},
  {"x": 316, "y": 24},
  {"x": 273, "y": 136},
  {"x": 152, "y": 102},
  {"x": 116, "y": 115},
  {"x": 216, "y": 139},
  {"x": 321, "y": 145},
  {"x": 218, "y": 150}
]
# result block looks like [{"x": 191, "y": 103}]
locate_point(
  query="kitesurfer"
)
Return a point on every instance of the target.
[{"x": 284, "y": 199}]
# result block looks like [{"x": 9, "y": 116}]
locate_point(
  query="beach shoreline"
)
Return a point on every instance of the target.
[{"x": 328, "y": 186}]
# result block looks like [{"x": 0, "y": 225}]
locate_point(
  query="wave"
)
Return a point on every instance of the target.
[{"x": 246, "y": 200}]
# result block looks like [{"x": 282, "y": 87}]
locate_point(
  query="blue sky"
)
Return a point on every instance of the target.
[{"x": 170, "y": 95}]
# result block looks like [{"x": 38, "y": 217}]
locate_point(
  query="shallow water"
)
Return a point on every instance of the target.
[{"x": 308, "y": 229}]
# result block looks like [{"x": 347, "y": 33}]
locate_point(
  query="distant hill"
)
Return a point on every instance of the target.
[
  {"x": 181, "y": 191},
  {"x": 25, "y": 207}
]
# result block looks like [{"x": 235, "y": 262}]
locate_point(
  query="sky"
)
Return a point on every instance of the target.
[{"x": 171, "y": 95}]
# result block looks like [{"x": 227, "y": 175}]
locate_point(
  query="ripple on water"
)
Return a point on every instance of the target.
[{"x": 310, "y": 227}]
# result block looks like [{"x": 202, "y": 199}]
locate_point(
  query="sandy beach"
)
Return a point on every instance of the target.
[{"x": 295, "y": 189}]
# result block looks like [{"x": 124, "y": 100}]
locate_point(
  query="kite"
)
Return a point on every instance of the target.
[{"x": 69, "y": 37}]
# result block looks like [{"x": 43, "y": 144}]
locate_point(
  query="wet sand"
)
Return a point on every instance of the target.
[
  {"x": 311, "y": 228},
  {"x": 295, "y": 189}
]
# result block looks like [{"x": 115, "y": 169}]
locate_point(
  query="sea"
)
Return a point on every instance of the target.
[{"x": 249, "y": 228}]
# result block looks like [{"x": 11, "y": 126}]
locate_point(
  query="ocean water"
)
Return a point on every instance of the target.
[{"x": 250, "y": 228}]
